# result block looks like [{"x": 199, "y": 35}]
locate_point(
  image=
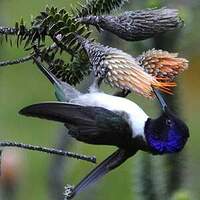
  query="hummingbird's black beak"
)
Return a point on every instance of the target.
[{"x": 160, "y": 99}]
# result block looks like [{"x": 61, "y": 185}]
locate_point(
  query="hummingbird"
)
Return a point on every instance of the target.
[{"x": 102, "y": 119}]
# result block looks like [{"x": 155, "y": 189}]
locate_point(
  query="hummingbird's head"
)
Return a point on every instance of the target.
[{"x": 167, "y": 133}]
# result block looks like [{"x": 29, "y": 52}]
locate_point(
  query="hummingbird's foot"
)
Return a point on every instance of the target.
[
  {"x": 122, "y": 93},
  {"x": 68, "y": 194}
]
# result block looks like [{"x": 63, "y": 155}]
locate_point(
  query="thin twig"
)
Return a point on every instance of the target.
[
  {"x": 16, "y": 61},
  {"x": 48, "y": 150},
  {"x": 25, "y": 58},
  {"x": 7, "y": 30}
]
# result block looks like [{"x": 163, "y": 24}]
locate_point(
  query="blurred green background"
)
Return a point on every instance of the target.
[{"x": 23, "y": 84}]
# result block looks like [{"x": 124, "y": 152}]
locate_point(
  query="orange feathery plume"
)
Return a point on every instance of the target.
[
  {"x": 154, "y": 68},
  {"x": 162, "y": 64}
]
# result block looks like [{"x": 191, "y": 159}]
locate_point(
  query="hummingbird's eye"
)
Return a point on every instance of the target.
[{"x": 169, "y": 122}]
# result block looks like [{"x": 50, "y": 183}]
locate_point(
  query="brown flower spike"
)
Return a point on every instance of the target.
[
  {"x": 155, "y": 68},
  {"x": 163, "y": 65},
  {"x": 137, "y": 25}
]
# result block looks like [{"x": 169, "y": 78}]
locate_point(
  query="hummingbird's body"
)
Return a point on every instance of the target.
[
  {"x": 98, "y": 118},
  {"x": 130, "y": 132},
  {"x": 130, "y": 110},
  {"x": 124, "y": 107}
]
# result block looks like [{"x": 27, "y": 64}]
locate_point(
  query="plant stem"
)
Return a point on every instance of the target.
[
  {"x": 17, "y": 61},
  {"x": 49, "y": 151},
  {"x": 25, "y": 58},
  {"x": 173, "y": 163},
  {"x": 7, "y": 30}
]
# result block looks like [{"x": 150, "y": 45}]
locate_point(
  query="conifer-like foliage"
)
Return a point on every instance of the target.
[
  {"x": 98, "y": 7},
  {"x": 62, "y": 28}
]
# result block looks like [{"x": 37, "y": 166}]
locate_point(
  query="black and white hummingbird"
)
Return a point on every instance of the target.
[{"x": 102, "y": 119}]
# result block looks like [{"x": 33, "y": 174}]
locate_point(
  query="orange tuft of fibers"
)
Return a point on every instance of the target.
[
  {"x": 155, "y": 68},
  {"x": 125, "y": 73},
  {"x": 165, "y": 87},
  {"x": 162, "y": 64}
]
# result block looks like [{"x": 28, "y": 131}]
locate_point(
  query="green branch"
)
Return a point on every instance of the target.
[
  {"x": 7, "y": 30},
  {"x": 49, "y": 151},
  {"x": 17, "y": 61},
  {"x": 98, "y": 7}
]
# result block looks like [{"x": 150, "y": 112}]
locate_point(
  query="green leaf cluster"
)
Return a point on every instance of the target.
[{"x": 98, "y": 7}]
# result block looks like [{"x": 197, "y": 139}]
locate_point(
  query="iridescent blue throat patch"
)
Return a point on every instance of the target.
[
  {"x": 166, "y": 134},
  {"x": 172, "y": 142}
]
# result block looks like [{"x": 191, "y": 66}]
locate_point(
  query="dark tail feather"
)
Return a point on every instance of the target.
[
  {"x": 110, "y": 163},
  {"x": 63, "y": 91},
  {"x": 61, "y": 112},
  {"x": 44, "y": 110},
  {"x": 46, "y": 72}
]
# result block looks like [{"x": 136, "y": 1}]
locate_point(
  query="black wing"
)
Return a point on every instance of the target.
[{"x": 93, "y": 125}]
